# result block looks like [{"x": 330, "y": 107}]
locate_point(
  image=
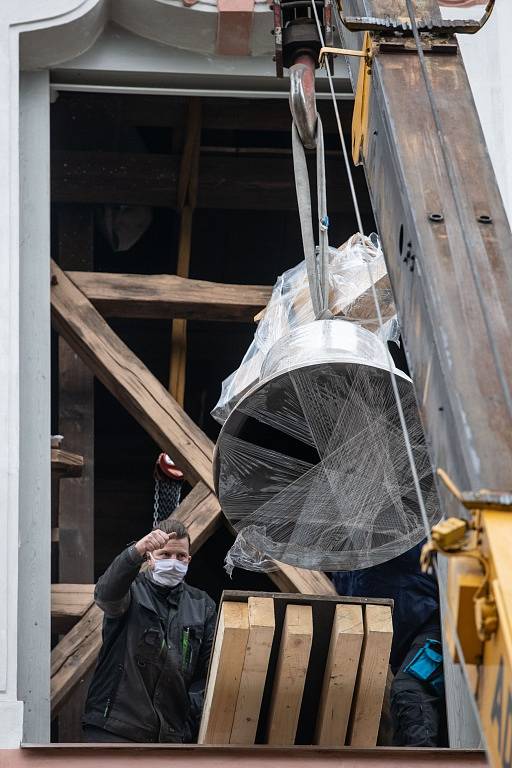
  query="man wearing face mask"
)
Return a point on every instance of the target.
[{"x": 158, "y": 631}]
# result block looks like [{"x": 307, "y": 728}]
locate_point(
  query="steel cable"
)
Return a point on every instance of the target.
[{"x": 421, "y": 501}]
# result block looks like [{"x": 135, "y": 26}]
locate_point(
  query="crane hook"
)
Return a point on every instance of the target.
[{"x": 303, "y": 98}]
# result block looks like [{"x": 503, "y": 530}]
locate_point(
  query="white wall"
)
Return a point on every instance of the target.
[
  {"x": 10, "y": 707},
  {"x": 489, "y": 66}
]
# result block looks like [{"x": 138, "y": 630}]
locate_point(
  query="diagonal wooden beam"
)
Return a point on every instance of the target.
[
  {"x": 201, "y": 515},
  {"x": 74, "y": 656},
  {"x": 160, "y": 297},
  {"x": 291, "y": 579},
  {"x": 128, "y": 379},
  {"x": 149, "y": 402}
]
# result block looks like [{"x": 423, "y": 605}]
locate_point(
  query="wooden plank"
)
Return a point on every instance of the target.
[
  {"x": 244, "y": 183},
  {"x": 200, "y": 513},
  {"x": 254, "y": 673},
  {"x": 291, "y": 579},
  {"x": 169, "y": 296},
  {"x": 73, "y": 594},
  {"x": 369, "y": 695},
  {"x": 340, "y": 676},
  {"x": 225, "y": 673},
  {"x": 69, "y": 603},
  {"x": 74, "y": 656},
  {"x": 66, "y": 464},
  {"x": 290, "y": 677},
  {"x": 129, "y": 380}
]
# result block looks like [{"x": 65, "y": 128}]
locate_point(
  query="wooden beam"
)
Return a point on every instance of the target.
[
  {"x": 75, "y": 241},
  {"x": 129, "y": 380},
  {"x": 146, "y": 399},
  {"x": 169, "y": 296},
  {"x": 201, "y": 515},
  {"x": 66, "y": 464},
  {"x": 187, "y": 199},
  {"x": 291, "y": 579},
  {"x": 69, "y": 604},
  {"x": 290, "y": 675},
  {"x": 225, "y": 673},
  {"x": 340, "y": 676},
  {"x": 252, "y": 115},
  {"x": 234, "y": 183},
  {"x": 369, "y": 695},
  {"x": 262, "y": 626},
  {"x": 74, "y": 656}
]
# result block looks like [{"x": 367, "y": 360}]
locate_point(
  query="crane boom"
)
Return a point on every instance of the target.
[{"x": 448, "y": 247}]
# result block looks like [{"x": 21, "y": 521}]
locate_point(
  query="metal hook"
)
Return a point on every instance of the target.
[
  {"x": 487, "y": 15},
  {"x": 389, "y": 25},
  {"x": 303, "y": 98}
]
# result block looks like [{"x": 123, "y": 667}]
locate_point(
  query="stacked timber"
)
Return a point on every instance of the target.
[{"x": 296, "y": 669}]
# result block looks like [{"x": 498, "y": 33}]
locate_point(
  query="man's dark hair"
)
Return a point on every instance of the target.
[{"x": 175, "y": 526}]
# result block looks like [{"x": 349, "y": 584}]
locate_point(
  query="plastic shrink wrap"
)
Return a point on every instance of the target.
[
  {"x": 290, "y": 307},
  {"x": 310, "y": 466}
]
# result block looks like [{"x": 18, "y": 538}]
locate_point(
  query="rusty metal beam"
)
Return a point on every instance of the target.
[{"x": 442, "y": 286}]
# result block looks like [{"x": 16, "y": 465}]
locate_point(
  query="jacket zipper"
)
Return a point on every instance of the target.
[{"x": 111, "y": 699}]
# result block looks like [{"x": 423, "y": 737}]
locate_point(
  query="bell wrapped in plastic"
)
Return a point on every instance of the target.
[{"x": 311, "y": 467}]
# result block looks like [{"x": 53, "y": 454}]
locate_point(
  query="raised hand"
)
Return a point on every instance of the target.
[{"x": 154, "y": 540}]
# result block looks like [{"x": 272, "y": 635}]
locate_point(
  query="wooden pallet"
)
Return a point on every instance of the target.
[{"x": 297, "y": 669}]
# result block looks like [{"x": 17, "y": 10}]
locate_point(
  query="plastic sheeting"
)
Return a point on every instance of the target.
[
  {"x": 290, "y": 307},
  {"x": 310, "y": 466}
]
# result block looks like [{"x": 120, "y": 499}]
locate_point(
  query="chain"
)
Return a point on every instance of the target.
[
  {"x": 166, "y": 499},
  {"x": 156, "y": 503}
]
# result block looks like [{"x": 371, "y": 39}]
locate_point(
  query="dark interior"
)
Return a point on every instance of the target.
[{"x": 125, "y": 151}]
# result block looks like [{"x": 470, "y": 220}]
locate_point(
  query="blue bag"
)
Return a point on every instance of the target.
[{"x": 427, "y": 665}]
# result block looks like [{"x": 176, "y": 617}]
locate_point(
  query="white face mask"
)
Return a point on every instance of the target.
[{"x": 168, "y": 572}]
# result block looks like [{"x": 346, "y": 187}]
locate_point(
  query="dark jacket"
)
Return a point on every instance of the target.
[
  {"x": 415, "y": 595},
  {"x": 150, "y": 677}
]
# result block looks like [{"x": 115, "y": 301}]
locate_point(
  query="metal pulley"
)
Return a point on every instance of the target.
[{"x": 297, "y": 46}]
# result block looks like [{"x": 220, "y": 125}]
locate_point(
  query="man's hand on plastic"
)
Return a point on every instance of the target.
[{"x": 154, "y": 540}]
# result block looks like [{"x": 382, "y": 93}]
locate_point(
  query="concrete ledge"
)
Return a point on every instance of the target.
[
  {"x": 11, "y": 726},
  {"x": 125, "y": 756}
]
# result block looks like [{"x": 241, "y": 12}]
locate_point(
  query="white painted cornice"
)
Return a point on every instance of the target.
[{"x": 55, "y": 31}]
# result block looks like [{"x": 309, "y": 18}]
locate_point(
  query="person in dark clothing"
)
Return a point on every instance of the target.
[
  {"x": 417, "y": 706},
  {"x": 149, "y": 682}
]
